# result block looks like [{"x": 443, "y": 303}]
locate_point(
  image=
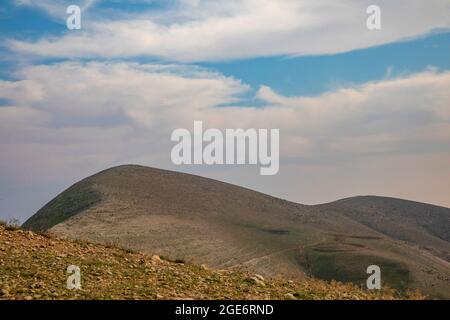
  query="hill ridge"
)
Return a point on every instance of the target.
[{"x": 219, "y": 224}]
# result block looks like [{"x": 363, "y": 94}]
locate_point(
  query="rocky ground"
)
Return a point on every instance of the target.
[{"x": 34, "y": 266}]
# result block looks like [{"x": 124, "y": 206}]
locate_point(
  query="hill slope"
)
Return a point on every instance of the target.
[
  {"x": 224, "y": 226},
  {"x": 33, "y": 267}
]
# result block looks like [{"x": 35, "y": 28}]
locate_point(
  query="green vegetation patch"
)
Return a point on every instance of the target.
[
  {"x": 352, "y": 266},
  {"x": 77, "y": 198}
]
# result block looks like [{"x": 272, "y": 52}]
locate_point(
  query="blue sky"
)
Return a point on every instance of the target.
[
  {"x": 313, "y": 75},
  {"x": 288, "y": 75},
  {"x": 359, "y": 111}
]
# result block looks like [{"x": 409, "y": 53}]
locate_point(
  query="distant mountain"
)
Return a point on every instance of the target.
[{"x": 182, "y": 216}]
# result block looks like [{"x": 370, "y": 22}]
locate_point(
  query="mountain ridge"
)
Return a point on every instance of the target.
[{"x": 226, "y": 226}]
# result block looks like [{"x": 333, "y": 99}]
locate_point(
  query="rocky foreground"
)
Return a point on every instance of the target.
[{"x": 34, "y": 266}]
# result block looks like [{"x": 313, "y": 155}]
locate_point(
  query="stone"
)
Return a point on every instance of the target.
[
  {"x": 260, "y": 277},
  {"x": 156, "y": 258},
  {"x": 289, "y": 296},
  {"x": 257, "y": 281}
]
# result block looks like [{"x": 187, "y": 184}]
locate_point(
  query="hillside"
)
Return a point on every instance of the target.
[
  {"x": 33, "y": 267},
  {"x": 205, "y": 221}
]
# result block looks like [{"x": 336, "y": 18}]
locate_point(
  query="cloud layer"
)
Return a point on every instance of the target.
[{"x": 219, "y": 30}]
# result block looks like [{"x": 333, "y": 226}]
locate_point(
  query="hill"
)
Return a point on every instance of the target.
[
  {"x": 33, "y": 267},
  {"x": 204, "y": 221}
]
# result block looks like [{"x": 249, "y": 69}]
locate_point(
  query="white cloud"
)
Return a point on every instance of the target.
[
  {"x": 216, "y": 30},
  {"x": 397, "y": 115},
  {"x": 378, "y": 116},
  {"x": 104, "y": 93}
]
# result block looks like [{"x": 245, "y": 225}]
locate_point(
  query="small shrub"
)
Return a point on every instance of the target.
[{"x": 11, "y": 224}]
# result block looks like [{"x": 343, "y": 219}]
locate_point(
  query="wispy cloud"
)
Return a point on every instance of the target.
[{"x": 220, "y": 30}]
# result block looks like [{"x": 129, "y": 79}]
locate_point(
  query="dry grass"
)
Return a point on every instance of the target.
[{"x": 33, "y": 266}]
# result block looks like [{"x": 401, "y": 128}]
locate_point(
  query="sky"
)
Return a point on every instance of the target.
[{"x": 360, "y": 112}]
